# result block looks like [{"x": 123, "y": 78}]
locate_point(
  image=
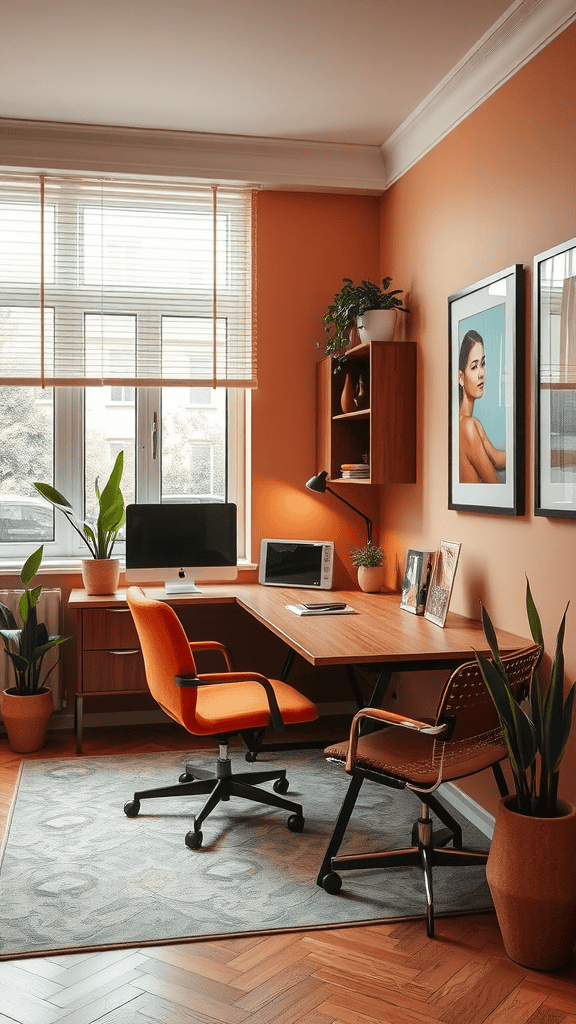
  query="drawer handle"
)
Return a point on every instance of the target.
[
  {"x": 136, "y": 651},
  {"x": 118, "y": 611}
]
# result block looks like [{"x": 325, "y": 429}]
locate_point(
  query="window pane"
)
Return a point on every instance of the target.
[
  {"x": 26, "y": 455},
  {"x": 193, "y": 447},
  {"x": 109, "y": 430}
]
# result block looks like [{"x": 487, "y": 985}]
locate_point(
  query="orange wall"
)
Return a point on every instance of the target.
[
  {"x": 306, "y": 244},
  {"x": 496, "y": 191}
]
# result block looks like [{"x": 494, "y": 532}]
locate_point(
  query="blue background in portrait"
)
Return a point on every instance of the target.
[{"x": 491, "y": 326}]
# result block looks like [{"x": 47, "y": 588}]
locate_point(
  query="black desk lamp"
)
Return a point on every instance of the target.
[{"x": 318, "y": 483}]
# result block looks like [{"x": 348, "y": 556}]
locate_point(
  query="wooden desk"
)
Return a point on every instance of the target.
[{"x": 381, "y": 635}]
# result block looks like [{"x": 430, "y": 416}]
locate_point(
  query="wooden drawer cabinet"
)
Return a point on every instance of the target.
[{"x": 109, "y": 656}]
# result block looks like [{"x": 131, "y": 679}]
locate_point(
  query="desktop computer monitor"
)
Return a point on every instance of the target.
[{"x": 179, "y": 544}]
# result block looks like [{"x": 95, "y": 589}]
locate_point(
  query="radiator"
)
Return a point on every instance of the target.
[{"x": 48, "y": 607}]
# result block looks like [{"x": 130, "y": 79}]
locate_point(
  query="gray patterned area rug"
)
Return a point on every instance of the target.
[{"x": 78, "y": 875}]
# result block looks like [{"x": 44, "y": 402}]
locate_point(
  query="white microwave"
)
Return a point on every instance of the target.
[{"x": 296, "y": 563}]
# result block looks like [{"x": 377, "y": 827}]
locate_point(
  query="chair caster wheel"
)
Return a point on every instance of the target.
[
  {"x": 332, "y": 883},
  {"x": 185, "y": 777},
  {"x": 193, "y": 840},
  {"x": 281, "y": 785},
  {"x": 131, "y": 808},
  {"x": 250, "y": 756},
  {"x": 295, "y": 822}
]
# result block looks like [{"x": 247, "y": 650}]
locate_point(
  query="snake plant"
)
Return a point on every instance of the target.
[{"x": 535, "y": 738}]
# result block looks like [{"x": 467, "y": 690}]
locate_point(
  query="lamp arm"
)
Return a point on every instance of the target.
[{"x": 354, "y": 509}]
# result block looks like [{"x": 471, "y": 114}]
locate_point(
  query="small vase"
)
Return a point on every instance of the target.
[
  {"x": 26, "y": 718},
  {"x": 347, "y": 396},
  {"x": 531, "y": 872},
  {"x": 377, "y": 325},
  {"x": 371, "y": 578},
  {"x": 100, "y": 575}
]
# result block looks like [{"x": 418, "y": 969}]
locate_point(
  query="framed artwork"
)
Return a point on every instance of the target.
[
  {"x": 554, "y": 319},
  {"x": 486, "y": 395},
  {"x": 442, "y": 581},
  {"x": 416, "y": 581}
]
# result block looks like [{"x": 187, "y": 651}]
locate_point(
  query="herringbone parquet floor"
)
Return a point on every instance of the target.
[{"x": 382, "y": 973}]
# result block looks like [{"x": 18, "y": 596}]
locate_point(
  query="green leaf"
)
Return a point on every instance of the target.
[
  {"x": 52, "y": 495},
  {"x": 490, "y": 634},
  {"x": 533, "y": 617},
  {"x": 518, "y": 729},
  {"x": 31, "y": 566},
  {"x": 7, "y": 619},
  {"x": 567, "y": 714}
]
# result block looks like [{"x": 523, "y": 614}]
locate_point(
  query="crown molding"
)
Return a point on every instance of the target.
[
  {"x": 232, "y": 159},
  {"x": 525, "y": 29}
]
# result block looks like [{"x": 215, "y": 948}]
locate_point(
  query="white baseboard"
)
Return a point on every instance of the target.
[{"x": 472, "y": 811}]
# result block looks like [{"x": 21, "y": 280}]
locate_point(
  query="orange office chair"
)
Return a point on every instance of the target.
[
  {"x": 219, "y": 704},
  {"x": 464, "y": 738}
]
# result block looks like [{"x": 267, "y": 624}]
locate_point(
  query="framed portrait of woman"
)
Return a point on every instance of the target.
[
  {"x": 486, "y": 395},
  {"x": 554, "y": 324}
]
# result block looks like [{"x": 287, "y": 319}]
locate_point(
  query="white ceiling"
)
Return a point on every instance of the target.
[{"x": 331, "y": 71}]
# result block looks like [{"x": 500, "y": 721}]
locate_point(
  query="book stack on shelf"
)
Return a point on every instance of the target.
[{"x": 355, "y": 471}]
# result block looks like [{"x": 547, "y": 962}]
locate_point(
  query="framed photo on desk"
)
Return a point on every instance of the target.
[
  {"x": 417, "y": 575},
  {"x": 442, "y": 582}
]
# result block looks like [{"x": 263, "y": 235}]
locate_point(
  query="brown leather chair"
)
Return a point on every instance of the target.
[
  {"x": 463, "y": 738},
  {"x": 217, "y": 705}
]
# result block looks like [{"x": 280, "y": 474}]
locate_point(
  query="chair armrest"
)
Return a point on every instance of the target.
[
  {"x": 221, "y": 678},
  {"x": 212, "y": 645},
  {"x": 389, "y": 718}
]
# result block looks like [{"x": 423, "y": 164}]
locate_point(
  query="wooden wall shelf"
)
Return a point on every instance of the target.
[{"x": 385, "y": 431}]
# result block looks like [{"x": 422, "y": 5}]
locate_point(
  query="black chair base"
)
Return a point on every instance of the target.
[
  {"x": 427, "y": 849},
  {"x": 221, "y": 785}
]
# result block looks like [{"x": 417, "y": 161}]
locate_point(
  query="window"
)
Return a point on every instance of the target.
[{"x": 144, "y": 346}]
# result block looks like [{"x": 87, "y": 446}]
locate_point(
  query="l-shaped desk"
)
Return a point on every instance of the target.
[{"x": 380, "y": 635}]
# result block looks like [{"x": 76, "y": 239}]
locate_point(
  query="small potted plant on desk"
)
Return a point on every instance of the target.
[
  {"x": 531, "y": 868},
  {"x": 100, "y": 573},
  {"x": 369, "y": 561},
  {"x": 27, "y": 706},
  {"x": 369, "y": 308}
]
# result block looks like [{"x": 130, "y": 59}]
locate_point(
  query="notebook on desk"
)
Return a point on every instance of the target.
[{"x": 319, "y": 608}]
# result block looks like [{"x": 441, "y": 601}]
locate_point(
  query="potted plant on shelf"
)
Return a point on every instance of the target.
[
  {"x": 531, "y": 867},
  {"x": 27, "y": 706},
  {"x": 367, "y": 306},
  {"x": 101, "y": 572},
  {"x": 369, "y": 561}
]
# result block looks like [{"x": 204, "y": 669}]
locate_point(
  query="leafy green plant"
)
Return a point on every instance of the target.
[
  {"x": 26, "y": 646},
  {"x": 350, "y": 303},
  {"x": 100, "y": 536},
  {"x": 536, "y": 739},
  {"x": 369, "y": 556}
]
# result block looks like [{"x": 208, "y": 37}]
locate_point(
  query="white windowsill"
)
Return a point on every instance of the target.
[{"x": 62, "y": 566}]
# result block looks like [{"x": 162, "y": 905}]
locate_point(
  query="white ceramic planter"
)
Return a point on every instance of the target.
[{"x": 377, "y": 325}]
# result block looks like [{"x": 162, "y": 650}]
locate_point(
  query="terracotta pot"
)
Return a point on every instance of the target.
[
  {"x": 531, "y": 871},
  {"x": 26, "y": 718},
  {"x": 371, "y": 578},
  {"x": 100, "y": 575},
  {"x": 377, "y": 325}
]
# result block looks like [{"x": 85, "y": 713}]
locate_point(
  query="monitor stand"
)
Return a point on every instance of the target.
[{"x": 181, "y": 587}]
